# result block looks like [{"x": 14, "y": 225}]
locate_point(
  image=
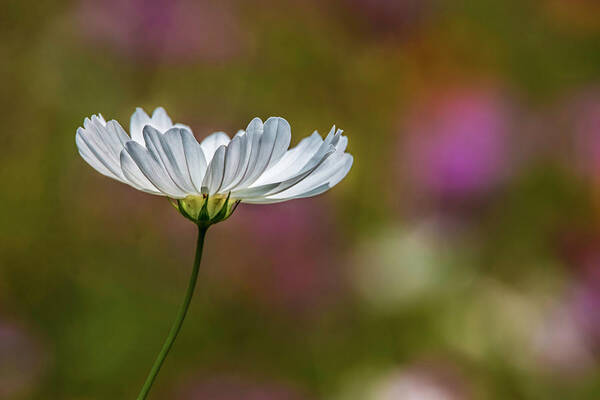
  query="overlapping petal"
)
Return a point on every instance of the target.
[{"x": 255, "y": 166}]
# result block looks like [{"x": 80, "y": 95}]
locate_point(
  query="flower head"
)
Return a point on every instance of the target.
[{"x": 207, "y": 180}]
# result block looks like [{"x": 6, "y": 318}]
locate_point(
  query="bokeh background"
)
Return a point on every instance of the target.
[{"x": 459, "y": 260}]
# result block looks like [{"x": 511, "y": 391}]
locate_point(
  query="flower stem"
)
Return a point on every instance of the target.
[{"x": 180, "y": 317}]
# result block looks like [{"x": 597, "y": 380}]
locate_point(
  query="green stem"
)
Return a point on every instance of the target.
[{"x": 180, "y": 317}]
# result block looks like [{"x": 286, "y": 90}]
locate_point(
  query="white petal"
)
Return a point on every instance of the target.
[
  {"x": 322, "y": 178},
  {"x": 134, "y": 175},
  {"x": 343, "y": 170},
  {"x": 329, "y": 143},
  {"x": 245, "y": 153},
  {"x": 172, "y": 143},
  {"x": 214, "y": 174},
  {"x": 184, "y": 126},
  {"x": 100, "y": 143},
  {"x": 254, "y": 192},
  {"x": 256, "y": 126},
  {"x": 94, "y": 137},
  {"x": 115, "y": 137},
  {"x": 90, "y": 158},
  {"x": 236, "y": 149},
  {"x": 196, "y": 163},
  {"x": 100, "y": 118},
  {"x": 160, "y": 150},
  {"x": 318, "y": 179},
  {"x": 139, "y": 119},
  {"x": 310, "y": 156},
  {"x": 153, "y": 170},
  {"x": 253, "y": 135},
  {"x": 274, "y": 141},
  {"x": 280, "y": 129},
  {"x": 161, "y": 120},
  {"x": 211, "y": 143},
  {"x": 270, "y": 189},
  {"x": 292, "y": 161}
]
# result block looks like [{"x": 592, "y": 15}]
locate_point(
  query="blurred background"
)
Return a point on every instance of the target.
[{"x": 459, "y": 260}]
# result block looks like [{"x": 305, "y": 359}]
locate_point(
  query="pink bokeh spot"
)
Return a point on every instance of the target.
[
  {"x": 456, "y": 143},
  {"x": 291, "y": 253}
]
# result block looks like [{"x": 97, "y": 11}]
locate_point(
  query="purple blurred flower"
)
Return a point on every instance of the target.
[
  {"x": 456, "y": 144},
  {"x": 586, "y": 307},
  {"x": 581, "y": 251},
  {"x": 561, "y": 344},
  {"x": 570, "y": 332},
  {"x": 235, "y": 388},
  {"x": 21, "y": 361},
  {"x": 290, "y": 256},
  {"x": 163, "y": 29}
]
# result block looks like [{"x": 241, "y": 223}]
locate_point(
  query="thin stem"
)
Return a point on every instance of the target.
[{"x": 179, "y": 320}]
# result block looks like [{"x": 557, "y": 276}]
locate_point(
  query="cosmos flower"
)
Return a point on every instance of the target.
[
  {"x": 216, "y": 174},
  {"x": 206, "y": 181}
]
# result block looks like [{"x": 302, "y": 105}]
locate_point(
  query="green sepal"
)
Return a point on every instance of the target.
[
  {"x": 205, "y": 210},
  {"x": 222, "y": 214},
  {"x": 203, "y": 215}
]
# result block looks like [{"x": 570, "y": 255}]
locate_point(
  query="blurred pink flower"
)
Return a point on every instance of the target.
[
  {"x": 560, "y": 343},
  {"x": 21, "y": 361},
  {"x": 581, "y": 252},
  {"x": 236, "y": 388},
  {"x": 163, "y": 29},
  {"x": 456, "y": 143},
  {"x": 290, "y": 259},
  {"x": 570, "y": 333},
  {"x": 586, "y": 306}
]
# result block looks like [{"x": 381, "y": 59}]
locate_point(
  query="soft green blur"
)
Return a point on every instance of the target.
[{"x": 465, "y": 267}]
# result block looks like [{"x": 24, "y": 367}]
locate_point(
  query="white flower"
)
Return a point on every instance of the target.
[{"x": 255, "y": 166}]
